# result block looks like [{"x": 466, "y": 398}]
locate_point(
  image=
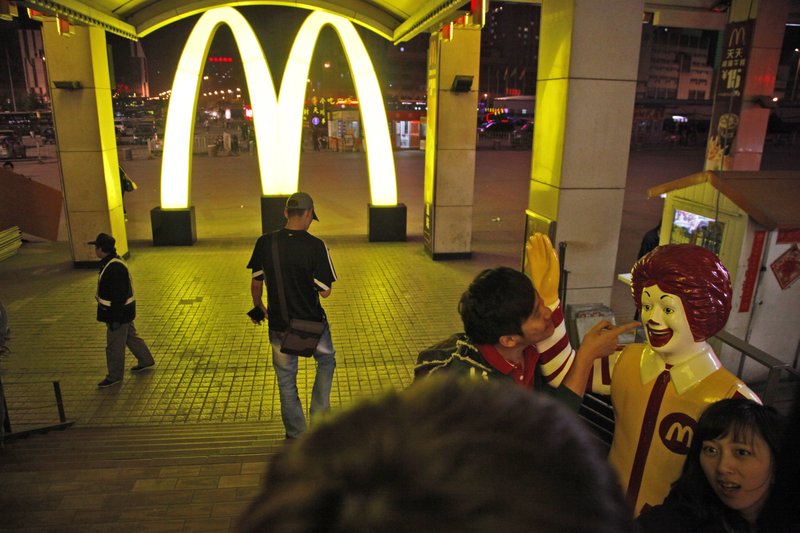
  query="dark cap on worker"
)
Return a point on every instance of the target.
[
  {"x": 301, "y": 200},
  {"x": 104, "y": 241}
]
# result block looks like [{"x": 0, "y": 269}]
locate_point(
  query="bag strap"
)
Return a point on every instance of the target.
[{"x": 279, "y": 275}]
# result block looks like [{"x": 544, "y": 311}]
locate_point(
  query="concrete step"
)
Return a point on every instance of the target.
[
  {"x": 97, "y": 446},
  {"x": 136, "y": 478}
]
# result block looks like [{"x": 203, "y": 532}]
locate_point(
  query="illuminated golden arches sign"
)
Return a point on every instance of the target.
[{"x": 278, "y": 140}]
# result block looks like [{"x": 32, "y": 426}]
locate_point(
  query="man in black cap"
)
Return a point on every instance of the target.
[
  {"x": 307, "y": 273},
  {"x": 116, "y": 307}
]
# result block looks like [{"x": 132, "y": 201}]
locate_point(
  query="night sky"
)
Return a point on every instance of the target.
[{"x": 276, "y": 28}]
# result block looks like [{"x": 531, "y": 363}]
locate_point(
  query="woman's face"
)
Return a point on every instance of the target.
[{"x": 740, "y": 473}]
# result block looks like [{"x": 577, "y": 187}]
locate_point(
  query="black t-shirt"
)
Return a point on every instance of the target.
[{"x": 306, "y": 268}]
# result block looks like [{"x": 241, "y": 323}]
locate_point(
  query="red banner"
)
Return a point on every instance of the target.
[
  {"x": 788, "y": 236},
  {"x": 751, "y": 275}
]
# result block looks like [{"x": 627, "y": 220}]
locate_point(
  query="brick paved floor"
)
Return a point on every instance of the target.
[
  {"x": 184, "y": 447},
  {"x": 212, "y": 363}
]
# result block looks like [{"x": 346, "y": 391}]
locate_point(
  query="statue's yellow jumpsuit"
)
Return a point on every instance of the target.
[{"x": 656, "y": 409}]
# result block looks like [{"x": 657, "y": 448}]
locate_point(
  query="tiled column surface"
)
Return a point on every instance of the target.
[
  {"x": 87, "y": 150},
  {"x": 765, "y": 51},
  {"x": 450, "y": 152},
  {"x": 588, "y": 60}
]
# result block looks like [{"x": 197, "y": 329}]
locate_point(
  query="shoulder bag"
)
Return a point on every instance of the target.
[{"x": 301, "y": 336}]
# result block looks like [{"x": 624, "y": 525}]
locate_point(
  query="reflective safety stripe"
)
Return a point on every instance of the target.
[
  {"x": 108, "y": 302},
  {"x": 130, "y": 283}
]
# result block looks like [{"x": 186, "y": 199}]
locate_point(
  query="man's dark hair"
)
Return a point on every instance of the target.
[
  {"x": 496, "y": 303},
  {"x": 290, "y": 213},
  {"x": 444, "y": 455}
]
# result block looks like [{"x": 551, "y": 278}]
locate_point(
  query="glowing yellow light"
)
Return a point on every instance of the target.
[
  {"x": 179, "y": 132},
  {"x": 380, "y": 159},
  {"x": 278, "y": 155}
]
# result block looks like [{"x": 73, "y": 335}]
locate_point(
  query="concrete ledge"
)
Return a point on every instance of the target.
[
  {"x": 452, "y": 256},
  {"x": 387, "y": 223},
  {"x": 173, "y": 227},
  {"x": 272, "y": 208}
]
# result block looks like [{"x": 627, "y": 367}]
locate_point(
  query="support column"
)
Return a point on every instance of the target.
[
  {"x": 763, "y": 313},
  {"x": 453, "y": 67},
  {"x": 745, "y": 85},
  {"x": 80, "y": 89},
  {"x": 584, "y": 109}
]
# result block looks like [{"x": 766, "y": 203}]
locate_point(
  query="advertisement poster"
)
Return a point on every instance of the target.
[{"x": 728, "y": 95}]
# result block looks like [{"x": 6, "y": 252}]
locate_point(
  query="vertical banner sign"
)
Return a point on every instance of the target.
[
  {"x": 430, "y": 139},
  {"x": 753, "y": 267},
  {"x": 728, "y": 95}
]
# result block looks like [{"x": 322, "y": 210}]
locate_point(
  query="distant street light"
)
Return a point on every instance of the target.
[
  {"x": 326, "y": 65},
  {"x": 796, "y": 74}
]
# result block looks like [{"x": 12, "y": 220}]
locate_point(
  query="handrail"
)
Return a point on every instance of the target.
[
  {"x": 597, "y": 411},
  {"x": 5, "y": 420},
  {"x": 775, "y": 365}
]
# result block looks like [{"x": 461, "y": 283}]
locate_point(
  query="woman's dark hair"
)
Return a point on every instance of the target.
[
  {"x": 445, "y": 455},
  {"x": 743, "y": 419},
  {"x": 496, "y": 303}
]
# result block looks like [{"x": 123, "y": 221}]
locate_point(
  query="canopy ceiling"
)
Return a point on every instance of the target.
[{"x": 396, "y": 20}]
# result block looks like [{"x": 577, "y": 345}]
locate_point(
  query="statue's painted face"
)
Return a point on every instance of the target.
[{"x": 666, "y": 324}]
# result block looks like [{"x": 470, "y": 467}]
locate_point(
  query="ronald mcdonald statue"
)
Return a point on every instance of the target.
[{"x": 659, "y": 389}]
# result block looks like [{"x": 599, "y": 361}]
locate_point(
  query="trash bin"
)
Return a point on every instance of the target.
[
  {"x": 127, "y": 154},
  {"x": 252, "y": 147},
  {"x": 212, "y": 150}
]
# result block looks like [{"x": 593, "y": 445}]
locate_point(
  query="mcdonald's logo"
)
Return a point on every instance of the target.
[
  {"x": 677, "y": 431},
  {"x": 738, "y": 36},
  {"x": 277, "y": 120}
]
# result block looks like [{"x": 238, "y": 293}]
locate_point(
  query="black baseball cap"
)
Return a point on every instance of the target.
[
  {"x": 104, "y": 241},
  {"x": 301, "y": 200}
]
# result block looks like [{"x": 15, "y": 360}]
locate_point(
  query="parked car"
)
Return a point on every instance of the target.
[
  {"x": 123, "y": 127},
  {"x": 143, "y": 131},
  {"x": 497, "y": 126},
  {"x": 48, "y": 135},
  {"x": 523, "y": 136},
  {"x": 11, "y": 146}
]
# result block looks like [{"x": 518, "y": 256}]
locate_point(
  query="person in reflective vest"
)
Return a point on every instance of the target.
[{"x": 116, "y": 307}]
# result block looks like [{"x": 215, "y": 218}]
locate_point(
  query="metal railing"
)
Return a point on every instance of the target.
[
  {"x": 774, "y": 365},
  {"x": 599, "y": 415},
  {"x": 5, "y": 420}
]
